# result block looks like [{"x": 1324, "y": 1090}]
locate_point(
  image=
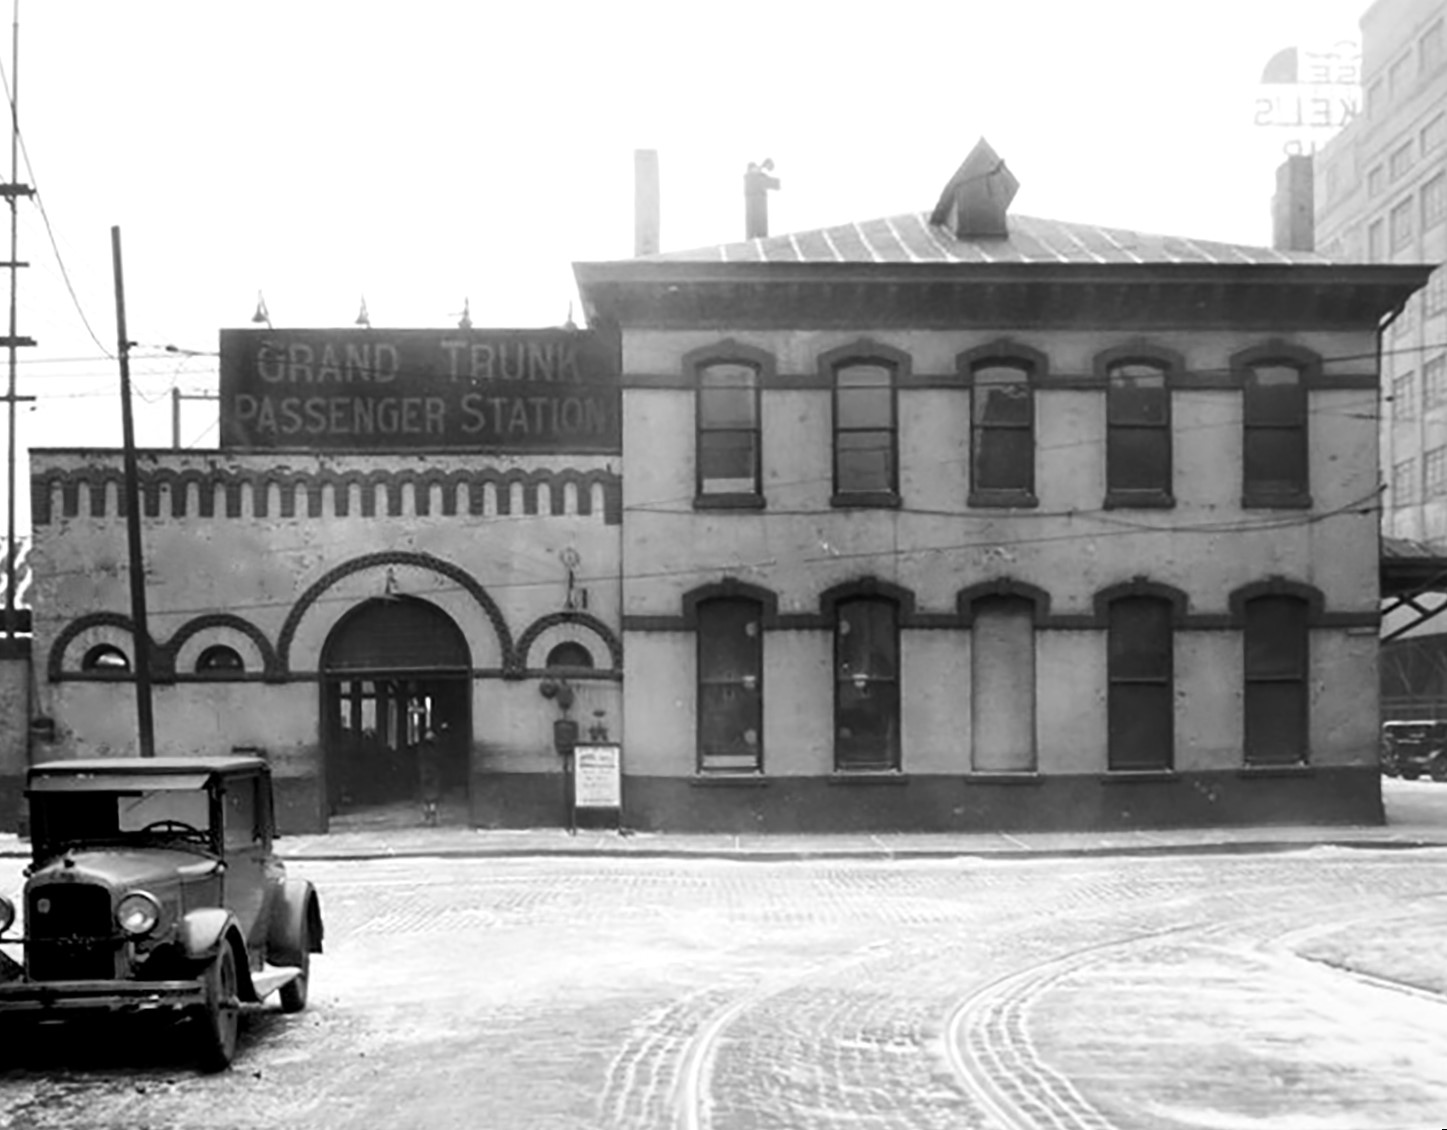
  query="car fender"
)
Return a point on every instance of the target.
[
  {"x": 202, "y": 934},
  {"x": 296, "y": 912}
]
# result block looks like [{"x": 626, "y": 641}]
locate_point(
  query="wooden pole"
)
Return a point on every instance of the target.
[{"x": 136, "y": 566}]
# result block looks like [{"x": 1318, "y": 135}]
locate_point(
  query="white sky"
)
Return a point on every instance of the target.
[{"x": 424, "y": 152}]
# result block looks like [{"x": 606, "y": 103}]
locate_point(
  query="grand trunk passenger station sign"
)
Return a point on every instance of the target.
[{"x": 516, "y": 391}]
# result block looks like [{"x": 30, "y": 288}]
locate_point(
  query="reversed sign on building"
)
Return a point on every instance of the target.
[{"x": 368, "y": 389}]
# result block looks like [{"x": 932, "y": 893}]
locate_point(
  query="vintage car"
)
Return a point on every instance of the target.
[
  {"x": 1415, "y": 749},
  {"x": 152, "y": 887}
]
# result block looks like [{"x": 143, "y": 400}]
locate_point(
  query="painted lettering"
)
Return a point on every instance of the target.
[
  {"x": 270, "y": 363},
  {"x": 473, "y": 420}
]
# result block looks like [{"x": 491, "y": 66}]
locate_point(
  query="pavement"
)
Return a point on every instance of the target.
[{"x": 398, "y": 833}]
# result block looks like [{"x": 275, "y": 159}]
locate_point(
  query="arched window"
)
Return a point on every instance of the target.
[
  {"x": 865, "y": 451},
  {"x": 866, "y": 684},
  {"x": 570, "y": 654},
  {"x": 730, "y": 686},
  {"x": 219, "y": 660},
  {"x": 1138, "y": 434},
  {"x": 728, "y": 430},
  {"x": 105, "y": 659},
  {"x": 1141, "y": 672},
  {"x": 1276, "y": 663},
  {"x": 1275, "y": 434}
]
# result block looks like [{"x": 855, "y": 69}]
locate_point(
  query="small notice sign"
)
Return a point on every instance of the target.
[{"x": 597, "y": 780}]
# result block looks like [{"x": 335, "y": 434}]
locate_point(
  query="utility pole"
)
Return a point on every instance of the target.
[
  {"x": 135, "y": 564},
  {"x": 12, "y": 193}
]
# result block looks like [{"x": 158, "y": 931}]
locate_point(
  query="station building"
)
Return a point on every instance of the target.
[
  {"x": 960, "y": 519},
  {"x": 952, "y": 520}
]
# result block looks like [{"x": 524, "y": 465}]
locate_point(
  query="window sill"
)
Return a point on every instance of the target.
[
  {"x": 865, "y": 499},
  {"x": 718, "y": 779},
  {"x": 1004, "y": 499},
  {"x": 1139, "y": 500},
  {"x": 1024, "y": 777},
  {"x": 1299, "y": 501},
  {"x": 1138, "y": 776},
  {"x": 729, "y": 502},
  {"x": 1294, "y": 769},
  {"x": 868, "y": 777}
]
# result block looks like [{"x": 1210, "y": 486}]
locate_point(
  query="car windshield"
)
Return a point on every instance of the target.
[{"x": 69, "y": 819}]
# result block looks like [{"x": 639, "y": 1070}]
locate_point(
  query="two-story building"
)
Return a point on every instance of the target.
[{"x": 959, "y": 519}]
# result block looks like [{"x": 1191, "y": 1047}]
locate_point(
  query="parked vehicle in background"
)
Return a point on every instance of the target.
[
  {"x": 1415, "y": 749},
  {"x": 153, "y": 887}
]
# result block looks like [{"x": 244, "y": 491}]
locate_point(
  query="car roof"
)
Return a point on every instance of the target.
[{"x": 147, "y": 766}]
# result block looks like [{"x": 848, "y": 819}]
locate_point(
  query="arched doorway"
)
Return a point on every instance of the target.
[{"x": 392, "y": 668}]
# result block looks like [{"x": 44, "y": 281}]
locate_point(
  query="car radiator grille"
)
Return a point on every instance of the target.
[{"x": 70, "y": 936}]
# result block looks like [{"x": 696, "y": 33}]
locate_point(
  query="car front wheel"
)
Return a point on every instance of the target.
[
  {"x": 293, "y": 993},
  {"x": 219, "y": 1019}
]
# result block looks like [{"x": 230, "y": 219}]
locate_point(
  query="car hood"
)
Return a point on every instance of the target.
[{"x": 124, "y": 868}]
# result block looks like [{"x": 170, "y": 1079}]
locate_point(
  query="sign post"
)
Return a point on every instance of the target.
[{"x": 598, "y": 785}]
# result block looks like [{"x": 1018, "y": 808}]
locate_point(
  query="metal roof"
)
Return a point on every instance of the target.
[{"x": 911, "y": 238}]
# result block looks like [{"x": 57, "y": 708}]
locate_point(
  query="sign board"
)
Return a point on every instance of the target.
[
  {"x": 1309, "y": 94},
  {"x": 597, "y": 776},
  {"x": 505, "y": 391}
]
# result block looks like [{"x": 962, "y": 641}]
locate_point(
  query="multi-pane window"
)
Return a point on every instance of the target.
[
  {"x": 1433, "y": 134},
  {"x": 1434, "y": 471},
  {"x": 1002, "y": 686},
  {"x": 1437, "y": 292},
  {"x": 1376, "y": 250},
  {"x": 1400, "y": 160},
  {"x": 1141, "y": 708},
  {"x": 866, "y": 684},
  {"x": 1401, "y": 219},
  {"x": 1399, "y": 77},
  {"x": 1138, "y": 431},
  {"x": 1274, "y": 439},
  {"x": 1376, "y": 181},
  {"x": 1003, "y": 429},
  {"x": 1434, "y": 381},
  {"x": 865, "y": 445},
  {"x": 728, "y": 429},
  {"x": 1404, "y": 396},
  {"x": 1404, "y": 482},
  {"x": 1430, "y": 48},
  {"x": 1434, "y": 200},
  {"x": 730, "y": 691},
  {"x": 1276, "y": 657}
]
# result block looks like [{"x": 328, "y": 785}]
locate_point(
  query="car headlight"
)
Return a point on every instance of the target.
[
  {"x": 138, "y": 913},
  {"x": 7, "y": 914}
]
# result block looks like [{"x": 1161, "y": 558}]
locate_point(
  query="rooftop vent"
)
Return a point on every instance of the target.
[{"x": 974, "y": 203}]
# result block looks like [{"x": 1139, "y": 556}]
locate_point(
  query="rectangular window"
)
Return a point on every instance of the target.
[
  {"x": 1404, "y": 396},
  {"x": 1376, "y": 250},
  {"x": 1437, "y": 292},
  {"x": 1434, "y": 381},
  {"x": 1138, "y": 434},
  {"x": 1399, "y": 77},
  {"x": 1374, "y": 98},
  {"x": 1433, "y": 134},
  {"x": 1003, "y": 434},
  {"x": 1429, "y": 49},
  {"x": 1401, "y": 224},
  {"x": 1275, "y": 451},
  {"x": 864, "y": 431},
  {"x": 730, "y": 686},
  {"x": 1400, "y": 160},
  {"x": 1434, "y": 471},
  {"x": 1376, "y": 181},
  {"x": 1002, "y": 686},
  {"x": 1404, "y": 483},
  {"x": 240, "y": 813},
  {"x": 728, "y": 430},
  {"x": 1434, "y": 197},
  {"x": 1141, "y": 707},
  {"x": 1276, "y": 658},
  {"x": 1402, "y": 324},
  {"x": 866, "y": 685}
]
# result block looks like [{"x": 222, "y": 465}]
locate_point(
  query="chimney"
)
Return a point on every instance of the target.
[
  {"x": 1293, "y": 222},
  {"x": 757, "y": 183},
  {"x": 975, "y": 202},
  {"x": 645, "y": 202}
]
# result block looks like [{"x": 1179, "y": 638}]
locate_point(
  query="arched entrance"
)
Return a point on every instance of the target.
[{"x": 391, "y": 668}]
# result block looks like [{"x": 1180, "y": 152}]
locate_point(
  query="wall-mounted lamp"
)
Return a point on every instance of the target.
[{"x": 261, "y": 317}]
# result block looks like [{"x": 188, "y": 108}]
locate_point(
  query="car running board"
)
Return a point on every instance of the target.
[{"x": 272, "y": 978}]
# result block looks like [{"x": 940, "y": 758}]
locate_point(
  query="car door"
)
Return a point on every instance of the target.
[{"x": 248, "y": 853}]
